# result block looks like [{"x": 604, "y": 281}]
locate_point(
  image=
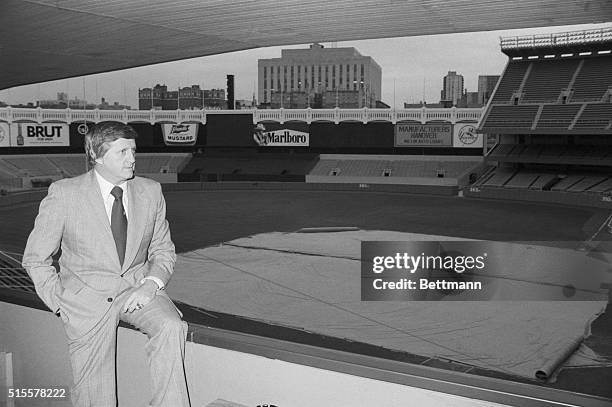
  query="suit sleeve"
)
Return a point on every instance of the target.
[
  {"x": 161, "y": 254},
  {"x": 43, "y": 242}
]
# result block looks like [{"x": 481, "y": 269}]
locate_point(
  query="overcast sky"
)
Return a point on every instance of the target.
[{"x": 412, "y": 67}]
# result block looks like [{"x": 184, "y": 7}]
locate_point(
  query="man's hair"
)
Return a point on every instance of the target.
[{"x": 99, "y": 137}]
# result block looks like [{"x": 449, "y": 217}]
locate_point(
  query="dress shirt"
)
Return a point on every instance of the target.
[{"x": 109, "y": 199}]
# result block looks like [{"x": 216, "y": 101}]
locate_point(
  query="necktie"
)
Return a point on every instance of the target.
[{"x": 119, "y": 223}]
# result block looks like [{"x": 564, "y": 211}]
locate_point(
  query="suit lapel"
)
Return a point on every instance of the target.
[
  {"x": 98, "y": 212},
  {"x": 137, "y": 212}
]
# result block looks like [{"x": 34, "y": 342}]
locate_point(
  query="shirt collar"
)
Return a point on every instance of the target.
[{"x": 106, "y": 187}]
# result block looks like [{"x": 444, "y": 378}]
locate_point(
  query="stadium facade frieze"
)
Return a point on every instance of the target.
[{"x": 365, "y": 115}]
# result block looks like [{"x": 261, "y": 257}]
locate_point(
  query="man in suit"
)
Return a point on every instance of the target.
[{"x": 116, "y": 259}]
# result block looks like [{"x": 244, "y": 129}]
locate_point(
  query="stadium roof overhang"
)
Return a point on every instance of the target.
[{"x": 43, "y": 40}]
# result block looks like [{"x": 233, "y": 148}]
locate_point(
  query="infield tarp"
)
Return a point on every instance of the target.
[{"x": 311, "y": 281}]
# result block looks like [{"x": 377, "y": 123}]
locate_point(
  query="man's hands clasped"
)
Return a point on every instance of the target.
[{"x": 141, "y": 296}]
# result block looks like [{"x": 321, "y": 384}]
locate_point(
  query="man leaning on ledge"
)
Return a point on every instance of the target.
[{"x": 116, "y": 259}]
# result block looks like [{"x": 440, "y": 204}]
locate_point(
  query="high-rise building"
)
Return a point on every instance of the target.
[
  {"x": 486, "y": 86},
  {"x": 319, "y": 77},
  {"x": 452, "y": 88}
]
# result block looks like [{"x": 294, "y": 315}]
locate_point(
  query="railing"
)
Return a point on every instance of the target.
[
  {"x": 566, "y": 38},
  {"x": 365, "y": 115}
]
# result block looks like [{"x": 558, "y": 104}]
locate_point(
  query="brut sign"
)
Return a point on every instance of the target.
[{"x": 39, "y": 135}]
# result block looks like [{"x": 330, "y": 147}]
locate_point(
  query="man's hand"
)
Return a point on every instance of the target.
[{"x": 141, "y": 296}]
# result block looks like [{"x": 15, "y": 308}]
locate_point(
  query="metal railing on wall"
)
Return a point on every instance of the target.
[{"x": 564, "y": 38}]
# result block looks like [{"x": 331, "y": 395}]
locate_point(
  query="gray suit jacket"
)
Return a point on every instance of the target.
[{"x": 72, "y": 216}]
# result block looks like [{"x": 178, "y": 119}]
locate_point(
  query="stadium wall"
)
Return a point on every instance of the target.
[
  {"x": 38, "y": 347},
  {"x": 236, "y": 131},
  {"x": 301, "y": 186},
  {"x": 549, "y": 197}
]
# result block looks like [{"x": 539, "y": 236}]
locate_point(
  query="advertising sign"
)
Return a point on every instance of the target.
[
  {"x": 180, "y": 134},
  {"x": 282, "y": 138},
  {"x": 4, "y": 135},
  {"x": 423, "y": 135},
  {"x": 39, "y": 135},
  {"x": 465, "y": 136}
]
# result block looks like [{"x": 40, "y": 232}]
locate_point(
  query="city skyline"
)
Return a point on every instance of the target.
[{"x": 412, "y": 69}]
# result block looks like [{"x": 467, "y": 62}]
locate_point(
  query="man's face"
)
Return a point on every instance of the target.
[{"x": 117, "y": 164}]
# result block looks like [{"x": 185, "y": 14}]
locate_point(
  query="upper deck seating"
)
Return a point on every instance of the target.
[
  {"x": 557, "y": 116},
  {"x": 511, "y": 116},
  {"x": 510, "y": 82},
  {"x": 593, "y": 80},
  {"x": 547, "y": 78},
  {"x": 595, "y": 116}
]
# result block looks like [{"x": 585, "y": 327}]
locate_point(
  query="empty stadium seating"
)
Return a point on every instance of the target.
[
  {"x": 511, "y": 117},
  {"x": 32, "y": 166},
  {"x": 512, "y": 79},
  {"x": 557, "y": 116},
  {"x": 547, "y": 180},
  {"x": 572, "y": 94},
  {"x": 522, "y": 180},
  {"x": 8, "y": 170},
  {"x": 553, "y": 151},
  {"x": 595, "y": 116},
  {"x": 498, "y": 178},
  {"x": 604, "y": 186},
  {"x": 553, "y": 154},
  {"x": 594, "y": 78},
  {"x": 239, "y": 166},
  {"x": 587, "y": 182},
  {"x": 14, "y": 168},
  {"x": 543, "y": 181},
  {"x": 399, "y": 166},
  {"x": 566, "y": 182},
  {"x": 547, "y": 78}
]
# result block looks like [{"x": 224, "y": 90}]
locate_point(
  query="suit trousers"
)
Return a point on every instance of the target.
[{"x": 93, "y": 356}]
